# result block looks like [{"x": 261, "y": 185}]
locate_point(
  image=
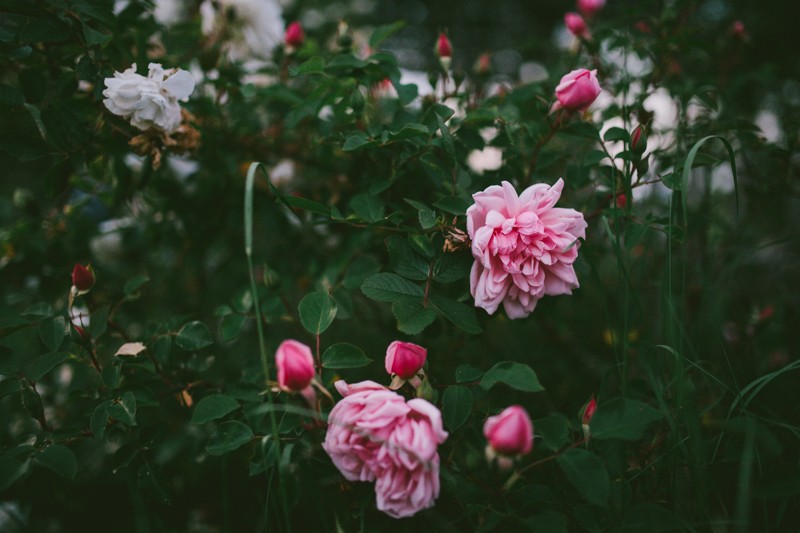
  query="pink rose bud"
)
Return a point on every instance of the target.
[
  {"x": 405, "y": 359},
  {"x": 589, "y": 411},
  {"x": 82, "y": 277},
  {"x": 443, "y": 46},
  {"x": 576, "y": 25},
  {"x": 510, "y": 432},
  {"x": 738, "y": 29},
  {"x": 295, "y": 365},
  {"x": 643, "y": 26},
  {"x": 295, "y": 36},
  {"x": 577, "y": 90},
  {"x": 590, "y": 7},
  {"x": 483, "y": 64}
]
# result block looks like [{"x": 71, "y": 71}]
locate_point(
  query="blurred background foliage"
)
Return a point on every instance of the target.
[{"x": 689, "y": 317}]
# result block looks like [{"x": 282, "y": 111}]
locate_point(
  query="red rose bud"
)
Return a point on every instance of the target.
[
  {"x": 643, "y": 26},
  {"x": 295, "y": 365},
  {"x": 738, "y": 30},
  {"x": 405, "y": 359},
  {"x": 576, "y": 25},
  {"x": 622, "y": 200},
  {"x": 82, "y": 278},
  {"x": 295, "y": 36},
  {"x": 636, "y": 136},
  {"x": 589, "y": 411},
  {"x": 510, "y": 432},
  {"x": 443, "y": 46}
]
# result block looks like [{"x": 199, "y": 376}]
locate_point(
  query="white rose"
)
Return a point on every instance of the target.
[
  {"x": 149, "y": 102},
  {"x": 252, "y": 28}
]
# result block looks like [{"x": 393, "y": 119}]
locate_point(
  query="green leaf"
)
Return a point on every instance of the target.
[
  {"x": 553, "y": 430},
  {"x": 59, "y": 459},
  {"x": 389, "y": 287},
  {"x": 367, "y": 207},
  {"x": 587, "y": 473},
  {"x": 650, "y": 518},
  {"x": 151, "y": 479},
  {"x": 623, "y": 419},
  {"x": 228, "y": 437},
  {"x": 452, "y": 267},
  {"x": 134, "y": 284},
  {"x": 447, "y": 138},
  {"x": 125, "y": 409},
  {"x": 231, "y": 326},
  {"x": 213, "y": 407},
  {"x": 410, "y": 131},
  {"x": 52, "y": 331},
  {"x": 99, "y": 322},
  {"x": 14, "y": 464},
  {"x": 94, "y": 37},
  {"x": 412, "y": 317},
  {"x": 405, "y": 261},
  {"x": 687, "y": 171},
  {"x": 456, "y": 406},
  {"x": 361, "y": 269},
  {"x": 344, "y": 355},
  {"x": 317, "y": 311},
  {"x": 616, "y": 134},
  {"x": 44, "y": 364},
  {"x": 357, "y": 141},
  {"x": 194, "y": 336},
  {"x": 382, "y": 32},
  {"x": 515, "y": 375},
  {"x": 462, "y": 316},
  {"x": 99, "y": 419},
  {"x": 466, "y": 373},
  {"x": 453, "y": 205},
  {"x": 9, "y": 386},
  {"x": 315, "y": 65}
]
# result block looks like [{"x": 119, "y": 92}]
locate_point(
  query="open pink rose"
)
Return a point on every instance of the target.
[
  {"x": 524, "y": 247},
  {"x": 374, "y": 434},
  {"x": 577, "y": 90}
]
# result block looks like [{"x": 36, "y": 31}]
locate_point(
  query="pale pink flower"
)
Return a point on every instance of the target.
[
  {"x": 524, "y": 247},
  {"x": 577, "y": 90},
  {"x": 375, "y": 435}
]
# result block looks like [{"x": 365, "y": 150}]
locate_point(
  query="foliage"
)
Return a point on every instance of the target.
[{"x": 160, "y": 411}]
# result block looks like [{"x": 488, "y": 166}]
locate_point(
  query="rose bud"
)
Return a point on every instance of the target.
[
  {"x": 590, "y": 7},
  {"x": 510, "y": 433},
  {"x": 404, "y": 362},
  {"x": 295, "y": 365},
  {"x": 586, "y": 417},
  {"x": 576, "y": 25},
  {"x": 483, "y": 64},
  {"x": 82, "y": 278},
  {"x": 738, "y": 30},
  {"x": 444, "y": 50},
  {"x": 295, "y": 36},
  {"x": 577, "y": 90},
  {"x": 622, "y": 200}
]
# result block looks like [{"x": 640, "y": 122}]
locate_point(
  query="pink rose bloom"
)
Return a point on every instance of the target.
[
  {"x": 405, "y": 359},
  {"x": 576, "y": 25},
  {"x": 510, "y": 432},
  {"x": 295, "y": 365},
  {"x": 577, "y": 90},
  {"x": 590, "y": 7},
  {"x": 375, "y": 435},
  {"x": 524, "y": 247}
]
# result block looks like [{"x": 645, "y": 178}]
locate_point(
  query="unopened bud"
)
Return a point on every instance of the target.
[
  {"x": 588, "y": 411},
  {"x": 576, "y": 25},
  {"x": 443, "y": 46},
  {"x": 738, "y": 30},
  {"x": 483, "y": 64},
  {"x": 295, "y": 36},
  {"x": 510, "y": 433},
  {"x": 638, "y": 141},
  {"x": 82, "y": 278}
]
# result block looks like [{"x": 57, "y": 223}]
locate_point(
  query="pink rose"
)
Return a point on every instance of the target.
[
  {"x": 524, "y": 247},
  {"x": 576, "y": 25},
  {"x": 510, "y": 432},
  {"x": 295, "y": 365},
  {"x": 590, "y": 7},
  {"x": 375, "y": 435},
  {"x": 577, "y": 90},
  {"x": 294, "y": 36},
  {"x": 405, "y": 359}
]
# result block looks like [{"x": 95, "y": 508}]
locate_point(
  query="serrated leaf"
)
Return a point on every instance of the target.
[
  {"x": 462, "y": 316},
  {"x": 52, "y": 331},
  {"x": 456, "y": 406},
  {"x": 59, "y": 459},
  {"x": 213, "y": 407},
  {"x": 194, "y": 336},
  {"x": 367, "y": 207},
  {"x": 623, "y": 419},
  {"x": 134, "y": 284},
  {"x": 453, "y": 205},
  {"x": 317, "y": 311},
  {"x": 412, "y": 317},
  {"x": 452, "y": 267},
  {"x": 405, "y": 261},
  {"x": 40, "y": 366},
  {"x": 516, "y": 375},
  {"x": 344, "y": 355},
  {"x": 389, "y": 287},
  {"x": 228, "y": 437},
  {"x": 587, "y": 473}
]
